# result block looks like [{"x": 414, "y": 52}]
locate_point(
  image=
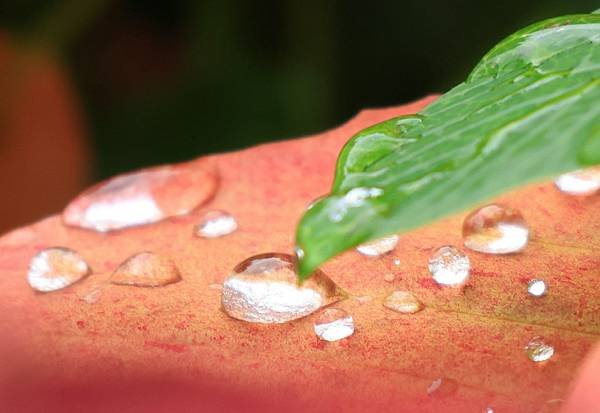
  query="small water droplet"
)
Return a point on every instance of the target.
[
  {"x": 538, "y": 350},
  {"x": 299, "y": 252},
  {"x": 442, "y": 387},
  {"x": 334, "y": 324},
  {"x": 449, "y": 266},
  {"x": 495, "y": 229},
  {"x": 216, "y": 224},
  {"x": 488, "y": 410},
  {"x": 389, "y": 277},
  {"x": 92, "y": 296},
  {"x": 396, "y": 262},
  {"x": 264, "y": 289},
  {"x": 582, "y": 182},
  {"x": 537, "y": 288},
  {"x": 379, "y": 246},
  {"x": 403, "y": 302},
  {"x": 143, "y": 197},
  {"x": 146, "y": 269},
  {"x": 56, "y": 268},
  {"x": 362, "y": 298}
]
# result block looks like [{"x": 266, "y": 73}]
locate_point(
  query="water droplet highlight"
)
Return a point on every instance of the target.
[
  {"x": 389, "y": 277},
  {"x": 264, "y": 289},
  {"x": 537, "y": 288},
  {"x": 582, "y": 182},
  {"x": 449, "y": 266},
  {"x": 334, "y": 324},
  {"x": 442, "y": 387},
  {"x": 56, "y": 268},
  {"x": 403, "y": 302},
  {"x": 216, "y": 224},
  {"x": 379, "y": 246},
  {"x": 143, "y": 197},
  {"x": 146, "y": 269},
  {"x": 538, "y": 350},
  {"x": 495, "y": 229}
]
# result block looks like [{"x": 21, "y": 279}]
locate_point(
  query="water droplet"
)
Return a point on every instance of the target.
[
  {"x": 389, "y": 277},
  {"x": 495, "y": 229},
  {"x": 92, "y": 296},
  {"x": 403, "y": 302},
  {"x": 216, "y": 224},
  {"x": 334, "y": 324},
  {"x": 449, "y": 266},
  {"x": 396, "y": 262},
  {"x": 215, "y": 286},
  {"x": 264, "y": 289},
  {"x": 143, "y": 197},
  {"x": 537, "y": 288},
  {"x": 581, "y": 182},
  {"x": 379, "y": 246},
  {"x": 354, "y": 198},
  {"x": 146, "y": 269},
  {"x": 56, "y": 268},
  {"x": 362, "y": 298},
  {"x": 538, "y": 350},
  {"x": 442, "y": 387},
  {"x": 488, "y": 410}
]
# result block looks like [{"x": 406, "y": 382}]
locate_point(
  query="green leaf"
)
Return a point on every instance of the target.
[{"x": 529, "y": 110}]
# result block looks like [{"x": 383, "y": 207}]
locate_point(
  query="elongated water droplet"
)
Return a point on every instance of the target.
[
  {"x": 449, "y": 266},
  {"x": 379, "y": 246},
  {"x": 495, "y": 229},
  {"x": 538, "y": 350},
  {"x": 56, "y": 268},
  {"x": 216, "y": 224},
  {"x": 143, "y": 197},
  {"x": 442, "y": 387},
  {"x": 537, "y": 288},
  {"x": 334, "y": 324},
  {"x": 146, "y": 269},
  {"x": 403, "y": 302},
  {"x": 582, "y": 182},
  {"x": 264, "y": 289}
]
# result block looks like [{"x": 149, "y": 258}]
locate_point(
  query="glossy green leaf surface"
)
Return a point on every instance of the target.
[{"x": 529, "y": 110}]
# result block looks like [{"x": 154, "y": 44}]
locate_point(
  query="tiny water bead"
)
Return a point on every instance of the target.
[
  {"x": 56, "y": 268},
  {"x": 449, "y": 266},
  {"x": 379, "y": 246},
  {"x": 538, "y": 350},
  {"x": 264, "y": 289},
  {"x": 216, "y": 224},
  {"x": 495, "y": 229},
  {"x": 582, "y": 182},
  {"x": 146, "y": 269},
  {"x": 143, "y": 197},
  {"x": 403, "y": 302},
  {"x": 442, "y": 387},
  {"x": 537, "y": 288},
  {"x": 389, "y": 277},
  {"x": 334, "y": 324}
]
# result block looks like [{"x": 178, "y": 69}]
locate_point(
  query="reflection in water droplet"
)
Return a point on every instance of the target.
[
  {"x": 354, "y": 198},
  {"x": 449, "y": 266},
  {"x": 495, "y": 229},
  {"x": 216, "y": 224},
  {"x": 538, "y": 350},
  {"x": 264, "y": 289},
  {"x": 218, "y": 287},
  {"x": 396, "y": 262},
  {"x": 146, "y": 269},
  {"x": 55, "y": 268},
  {"x": 537, "y": 288},
  {"x": 389, "y": 277},
  {"x": 581, "y": 182},
  {"x": 143, "y": 197},
  {"x": 403, "y": 302},
  {"x": 379, "y": 246},
  {"x": 334, "y": 324}
]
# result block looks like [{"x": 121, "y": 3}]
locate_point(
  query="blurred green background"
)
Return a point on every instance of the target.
[{"x": 162, "y": 81}]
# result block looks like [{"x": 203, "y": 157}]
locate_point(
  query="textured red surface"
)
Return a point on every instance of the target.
[{"x": 167, "y": 348}]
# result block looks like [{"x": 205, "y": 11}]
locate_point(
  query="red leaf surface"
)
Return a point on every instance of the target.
[{"x": 172, "y": 347}]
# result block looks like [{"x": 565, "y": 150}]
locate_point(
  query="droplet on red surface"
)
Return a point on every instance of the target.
[
  {"x": 56, "y": 268},
  {"x": 538, "y": 350},
  {"x": 334, "y": 324},
  {"x": 537, "y": 288},
  {"x": 216, "y": 224},
  {"x": 581, "y": 182},
  {"x": 146, "y": 269},
  {"x": 495, "y": 229},
  {"x": 379, "y": 246},
  {"x": 403, "y": 302},
  {"x": 449, "y": 266},
  {"x": 144, "y": 197}
]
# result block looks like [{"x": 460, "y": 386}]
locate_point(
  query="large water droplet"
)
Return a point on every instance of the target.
[
  {"x": 379, "y": 246},
  {"x": 334, "y": 324},
  {"x": 537, "y": 288},
  {"x": 403, "y": 302},
  {"x": 146, "y": 269},
  {"x": 581, "y": 182},
  {"x": 264, "y": 289},
  {"x": 538, "y": 350},
  {"x": 449, "y": 266},
  {"x": 56, "y": 268},
  {"x": 144, "y": 197},
  {"x": 216, "y": 224},
  {"x": 495, "y": 229}
]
